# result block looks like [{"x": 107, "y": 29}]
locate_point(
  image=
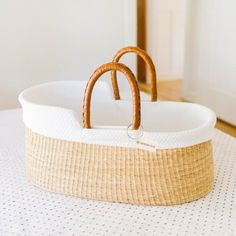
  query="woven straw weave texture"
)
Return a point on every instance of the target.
[{"x": 119, "y": 174}]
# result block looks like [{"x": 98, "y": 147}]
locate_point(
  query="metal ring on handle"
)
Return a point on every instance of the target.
[
  {"x": 133, "y": 85},
  {"x": 149, "y": 63}
]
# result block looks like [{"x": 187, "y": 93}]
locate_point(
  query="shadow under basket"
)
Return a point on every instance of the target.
[{"x": 118, "y": 174}]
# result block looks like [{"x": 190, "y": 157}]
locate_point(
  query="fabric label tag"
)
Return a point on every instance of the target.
[{"x": 146, "y": 144}]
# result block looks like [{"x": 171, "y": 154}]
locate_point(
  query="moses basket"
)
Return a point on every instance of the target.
[{"x": 66, "y": 155}]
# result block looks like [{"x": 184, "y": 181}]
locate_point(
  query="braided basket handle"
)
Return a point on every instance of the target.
[
  {"x": 133, "y": 85},
  {"x": 149, "y": 63}
]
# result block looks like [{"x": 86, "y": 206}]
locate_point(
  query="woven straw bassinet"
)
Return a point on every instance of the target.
[{"x": 102, "y": 162}]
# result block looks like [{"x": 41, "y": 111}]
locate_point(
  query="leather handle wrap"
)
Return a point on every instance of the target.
[
  {"x": 149, "y": 63},
  {"x": 133, "y": 85}
]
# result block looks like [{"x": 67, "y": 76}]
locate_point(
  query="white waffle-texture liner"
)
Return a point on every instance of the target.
[
  {"x": 55, "y": 110},
  {"x": 28, "y": 211}
]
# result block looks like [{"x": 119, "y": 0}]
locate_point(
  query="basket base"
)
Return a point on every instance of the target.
[{"x": 118, "y": 174}]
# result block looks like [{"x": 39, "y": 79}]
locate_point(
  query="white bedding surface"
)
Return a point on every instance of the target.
[{"x": 27, "y": 210}]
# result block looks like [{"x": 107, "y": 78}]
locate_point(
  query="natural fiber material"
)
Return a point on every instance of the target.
[{"x": 119, "y": 174}]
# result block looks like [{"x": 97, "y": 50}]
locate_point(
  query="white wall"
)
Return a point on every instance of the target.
[
  {"x": 166, "y": 35},
  {"x": 43, "y": 40},
  {"x": 210, "y": 75}
]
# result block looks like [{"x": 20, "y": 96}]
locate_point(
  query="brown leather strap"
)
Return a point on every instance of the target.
[
  {"x": 149, "y": 63},
  {"x": 133, "y": 85}
]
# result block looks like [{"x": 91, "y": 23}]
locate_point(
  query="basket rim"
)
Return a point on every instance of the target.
[{"x": 185, "y": 137}]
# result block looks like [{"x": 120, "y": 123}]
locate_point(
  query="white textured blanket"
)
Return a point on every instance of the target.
[{"x": 27, "y": 210}]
